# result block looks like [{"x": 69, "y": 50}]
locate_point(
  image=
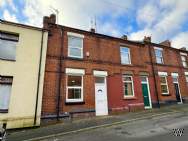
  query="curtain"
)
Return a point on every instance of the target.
[{"x": 5, "y": 91}]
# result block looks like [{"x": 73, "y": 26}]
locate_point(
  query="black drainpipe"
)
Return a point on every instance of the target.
[
  {"x": 60, "y": 75},
  {"x": 38, "y": 83},
  {"x": 153, "y": 71}
]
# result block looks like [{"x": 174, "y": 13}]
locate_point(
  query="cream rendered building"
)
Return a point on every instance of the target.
[{"x": 22, "y": 63}]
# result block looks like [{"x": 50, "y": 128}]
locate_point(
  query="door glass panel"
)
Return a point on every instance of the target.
[
  {"x": 175, "y": 79},
  {"x": 143, "y": 79},
  {"x": 99, "y": 80},
  {"x": 127, "y": 78}
]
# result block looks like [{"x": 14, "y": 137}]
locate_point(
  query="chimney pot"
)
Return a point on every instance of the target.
[
  {"x": 53, "y": 18},
  {"x": 124, "y": 37},
  {"x": 49, "y": 19},
  {"x": 92, "y": 30}
]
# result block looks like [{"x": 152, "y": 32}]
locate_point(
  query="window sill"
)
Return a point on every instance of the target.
[
  {"x": 75, "y": 58},
  {"x": 3, "y": 59},
  {"x": 130, "y": 98},
  {"x": 162, "y": 64},
  {"x": 3, "y": 110},
  {"x": 126, "y": 64},
  {"x": 75, "y": 103},
  {"x": 166, "y": 94}
]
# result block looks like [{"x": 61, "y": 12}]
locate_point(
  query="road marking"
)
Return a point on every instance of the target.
[{"x": 101, "y": 126}]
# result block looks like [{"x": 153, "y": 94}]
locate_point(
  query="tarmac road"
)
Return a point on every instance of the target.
[{"x": 154, "y": 129}]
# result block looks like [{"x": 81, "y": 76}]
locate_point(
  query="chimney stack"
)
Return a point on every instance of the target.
[
  {"x": 47, "y": 20},
  {"x": 183, "y": 48},
  {"x": 124, "y": 37},
  {"x": 92, "y": 30},
  {"x": 166, "y": 43},
  {"x": 147, "y": 39}
]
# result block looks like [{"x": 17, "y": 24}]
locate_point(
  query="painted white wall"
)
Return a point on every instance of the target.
[{"x": 25, "y": 77}]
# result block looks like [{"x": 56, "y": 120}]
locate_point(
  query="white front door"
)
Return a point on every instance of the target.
[{"x": 101, "y": 104}]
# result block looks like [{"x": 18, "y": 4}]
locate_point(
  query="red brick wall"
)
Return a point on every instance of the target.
[
  {"x": 172, "y": 64},
  {"x": 104, "y": 55},
  {"x": 51, "y": 79}
]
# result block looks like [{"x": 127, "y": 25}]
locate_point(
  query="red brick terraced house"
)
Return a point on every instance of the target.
[
  {"x": 91, "y": 73},
  {"x": 170, "y": 67}
]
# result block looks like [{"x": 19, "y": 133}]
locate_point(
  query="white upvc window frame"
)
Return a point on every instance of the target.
[
  {"x": 184, "y": 62},
  {"x": 74, "y": 87},
  {"x": 74, "y": 72},
  {"x": 129, "y": 55},
  {"x": 75, "y": 35},
  {"x": 164, "y": 74},
  {"x": 132, "y": 83},
  {"x": 6, "y": 81},
  {"x": 156, "y": 56},
  {"x": 6, "y": 39}
]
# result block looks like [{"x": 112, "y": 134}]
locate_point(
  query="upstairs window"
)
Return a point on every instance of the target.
[
  {"x": 128, "y": 86},
  {"x": 184, "y": 60},
  {"x": 5, "y": 92},
  {"x": 75, "y": 45},
  {"x": 159, "y": 55},
  {"x": 8, "y": 43},
  {"x": 125, "y": 55}
]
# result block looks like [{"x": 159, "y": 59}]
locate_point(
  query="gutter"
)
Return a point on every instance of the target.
[
  {"x": 153, "y": 71},
  {"x": 21, "y": 25},
  {"x": 39, "y": 74}
]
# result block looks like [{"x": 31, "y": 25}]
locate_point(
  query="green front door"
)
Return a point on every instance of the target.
[{"x": 145, "y": 95}]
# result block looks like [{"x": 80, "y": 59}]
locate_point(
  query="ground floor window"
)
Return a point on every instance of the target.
[
  {"x": 74, "y": 88},
  {"x": 5, "y": 92},
  {"x": 128, "y": 86},
  {"x": 164, "y": 85}
]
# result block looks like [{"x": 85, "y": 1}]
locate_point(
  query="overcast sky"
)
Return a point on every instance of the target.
[{"x": 160, "y": 19}]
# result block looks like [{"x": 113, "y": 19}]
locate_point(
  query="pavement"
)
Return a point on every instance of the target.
[{"x": 56, "y": 131}]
